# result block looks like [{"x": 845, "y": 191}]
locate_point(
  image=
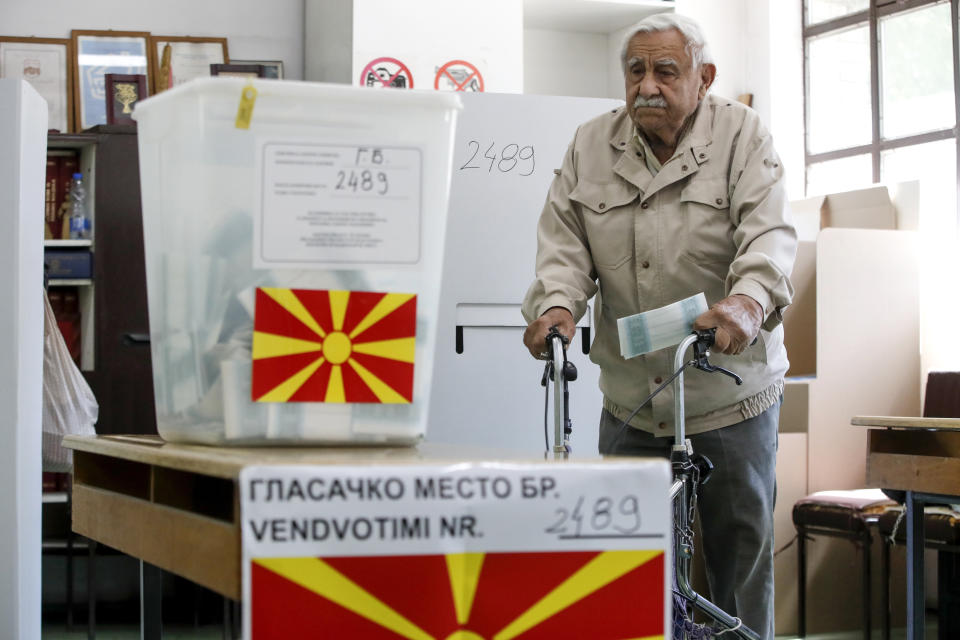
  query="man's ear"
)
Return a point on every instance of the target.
[{"x": 708, "y": 72}]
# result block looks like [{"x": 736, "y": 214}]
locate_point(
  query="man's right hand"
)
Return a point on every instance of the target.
[{"x": 535, "y": 337}]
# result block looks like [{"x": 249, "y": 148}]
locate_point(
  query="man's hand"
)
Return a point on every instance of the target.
[
  {"x": 535, "y": 337},
  {"x": 737, "y": 319}
]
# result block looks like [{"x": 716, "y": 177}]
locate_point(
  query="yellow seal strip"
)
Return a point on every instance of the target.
[{"x": 245, "y": 111}]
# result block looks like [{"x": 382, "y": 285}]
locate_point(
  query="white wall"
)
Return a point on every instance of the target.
[
  {"x": 328, "y": 41},
  {"x": 255, "y": 30},
  {"x": 724, "y": 26},
  {"x": 565, "y": 63},
  {"x": 426, "y": 34},
  {"x": 784, "y": 93},
  {"x": 343, "y": 36}
]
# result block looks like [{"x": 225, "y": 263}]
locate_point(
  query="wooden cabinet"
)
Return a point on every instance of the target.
[{"x": 117, "y": 349}]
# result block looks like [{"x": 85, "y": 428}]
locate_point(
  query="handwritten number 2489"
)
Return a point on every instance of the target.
[
  {"x": 510, "y": 157},
  {"x": 603, "y": 514}
]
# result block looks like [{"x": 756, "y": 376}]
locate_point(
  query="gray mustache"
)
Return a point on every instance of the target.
[{"x": 657, "y": 102}]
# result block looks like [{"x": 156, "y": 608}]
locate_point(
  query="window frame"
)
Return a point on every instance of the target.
[{"x": 871, "y": 17}]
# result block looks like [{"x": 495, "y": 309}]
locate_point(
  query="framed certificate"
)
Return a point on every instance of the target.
[
  {"x": 182, "y": 58},
  {"x": 97, "y": 53},
  {"x": 271, "y": 68},
  {"x": 45, "y": 64},
  {"x": 238, "y": 70}
]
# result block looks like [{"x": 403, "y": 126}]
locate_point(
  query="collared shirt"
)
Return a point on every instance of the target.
[
  {"x": 640, "y": 144},
  {"x": 713, "y": 218}
]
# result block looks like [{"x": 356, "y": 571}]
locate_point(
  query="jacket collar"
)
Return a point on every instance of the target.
[{"x": 694, "y": 148}]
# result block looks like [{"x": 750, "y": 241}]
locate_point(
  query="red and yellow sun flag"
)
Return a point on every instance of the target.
[
  {"x": 469, "y": 596},
  {"x": 333, "y": 346}
]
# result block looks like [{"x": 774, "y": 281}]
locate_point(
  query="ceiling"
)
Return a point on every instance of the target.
[{"x": 591, "y": 16}]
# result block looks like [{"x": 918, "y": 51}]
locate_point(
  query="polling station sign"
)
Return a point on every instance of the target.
[{"x": 469, "y": 551}]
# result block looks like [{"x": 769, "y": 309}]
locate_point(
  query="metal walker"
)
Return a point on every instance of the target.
[{"x": 689, "y": 470}]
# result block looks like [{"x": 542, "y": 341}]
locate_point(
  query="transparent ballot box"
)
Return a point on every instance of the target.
[{"x": 293, "y": 236}]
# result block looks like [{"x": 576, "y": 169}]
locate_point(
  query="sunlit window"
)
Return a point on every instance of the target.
[
  {"x": 839, "y": 175},
  {"x": 881, "y": 97},
  {"x": 821, "y": 10},
  {"x": 915, "y": 80},
  {"x": 838, "y": 90}
]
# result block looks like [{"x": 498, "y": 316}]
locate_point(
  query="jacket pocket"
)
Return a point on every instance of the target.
[
  {"x": 705, "y": 206},
  {"x": 607, "y": 211}
]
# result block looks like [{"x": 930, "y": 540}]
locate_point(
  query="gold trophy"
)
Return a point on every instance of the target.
[{"x": 125, "y": 94}]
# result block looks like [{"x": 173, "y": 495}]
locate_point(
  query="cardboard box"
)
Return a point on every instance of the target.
[
  {"x": 869, "y": 208},
  {"x": 800, "y": 318}
]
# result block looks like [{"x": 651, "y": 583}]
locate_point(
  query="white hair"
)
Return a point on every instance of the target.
[{"x": 696, "y": 44}]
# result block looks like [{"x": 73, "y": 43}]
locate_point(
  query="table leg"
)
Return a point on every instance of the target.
[
  {"x": 91, "y": 589},
  {"x": 151, "y": 625},
  {"x": 232, "y": 620},
  {"x": 915, "y": 546},
  {"x": 948, "y": 595}
]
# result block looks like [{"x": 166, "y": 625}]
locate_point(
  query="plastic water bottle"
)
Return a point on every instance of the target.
[{"x": 79, "y": 222}]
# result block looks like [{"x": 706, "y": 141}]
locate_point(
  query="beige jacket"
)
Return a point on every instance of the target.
[{"x": 714, "y": 219}]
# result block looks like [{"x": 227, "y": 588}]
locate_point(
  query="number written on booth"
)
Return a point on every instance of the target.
[{"x": 508, "y": 158}]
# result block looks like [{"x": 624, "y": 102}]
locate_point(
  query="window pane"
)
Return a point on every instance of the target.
[
  {"x": 916, "y": 77},
  {"x": 935, "y": 165},
  {"x": 839, "y": 175},
  {"x": 838, "y": 107},
  {"x": 822, "y": 10}
]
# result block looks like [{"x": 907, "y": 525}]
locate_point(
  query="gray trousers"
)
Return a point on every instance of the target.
[{"x": 735, "y": 508}]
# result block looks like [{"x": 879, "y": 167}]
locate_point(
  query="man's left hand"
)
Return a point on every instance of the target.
[{"x": 737, "y": 319}]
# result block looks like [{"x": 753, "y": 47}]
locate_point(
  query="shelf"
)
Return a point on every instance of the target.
[
  {"x": 61, "y": 244},
  {"x": 69, "y": 282},
  {"x": 70, "y": 140},
  {"x": 54, "y": 496},
  {"x": 79, "y": 545}
]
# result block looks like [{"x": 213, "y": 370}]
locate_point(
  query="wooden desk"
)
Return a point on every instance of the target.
[
  {"x": 176, "y": 507},
  {"x": 920, "y": 456}
]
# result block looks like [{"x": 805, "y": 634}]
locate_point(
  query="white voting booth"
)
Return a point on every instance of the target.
[
  {"x": 23, "y": 138},
  {"x": 486, "y": 386}
]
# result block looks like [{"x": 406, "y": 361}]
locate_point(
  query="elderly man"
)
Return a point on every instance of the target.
[{"x": 676, "y": 193}]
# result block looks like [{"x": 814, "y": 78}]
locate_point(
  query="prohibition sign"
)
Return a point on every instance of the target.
[
  {"x": 376, "y": 72},
  {"x": 468, "y": 79}
]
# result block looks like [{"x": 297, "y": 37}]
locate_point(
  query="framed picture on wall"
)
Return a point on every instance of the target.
[
  {"x": 123, "y": 92},
  {"x": 45, "y": 64},
  {"x": 97, "y": 53},
  {"x": 271, "y": 68},
  {"x": 182, "y": 58},
  {"x": 238, "y": 70}
]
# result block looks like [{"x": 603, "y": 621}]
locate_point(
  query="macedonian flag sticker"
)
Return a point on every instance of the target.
[
  {"x": 333, "y": 346},
  {"x": 611, "y": 595}
]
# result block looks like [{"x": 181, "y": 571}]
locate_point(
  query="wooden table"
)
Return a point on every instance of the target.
[
  {"x": 920, "y": 456},
  {"x": 176, "y": 507}
]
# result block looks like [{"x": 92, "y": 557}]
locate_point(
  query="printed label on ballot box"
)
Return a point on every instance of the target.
[
  {"x": 336, "y": 206},
  {"x": 471, "y": 550}
]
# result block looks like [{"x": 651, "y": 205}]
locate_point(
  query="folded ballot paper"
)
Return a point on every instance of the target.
[{"x": 659, "y": 328}]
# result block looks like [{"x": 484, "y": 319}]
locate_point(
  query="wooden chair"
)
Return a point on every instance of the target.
[{"x": 840, "y": 514}]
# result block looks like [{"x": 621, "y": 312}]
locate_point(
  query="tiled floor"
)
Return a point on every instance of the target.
[{"x": 114, "y": 632}]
